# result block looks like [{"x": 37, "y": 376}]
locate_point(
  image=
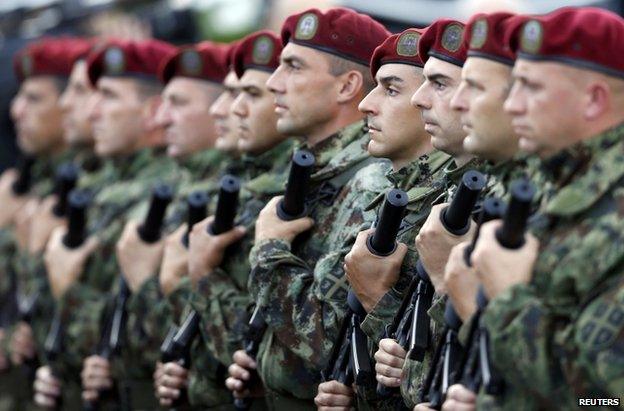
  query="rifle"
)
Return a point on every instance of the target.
[
  {"x": 448, "y": 353},
  {"x": 291, "y": 207},
  {"x": 180, "y": 347},
  {"x": 456, "y": 220},
  {"x": 150, "y": 231},
  {"x": 476, "y": 369},
  {"x": 76, "y": 212},
  {"x": 357, "y": 366},
  {"x": 23, "y": 183}
]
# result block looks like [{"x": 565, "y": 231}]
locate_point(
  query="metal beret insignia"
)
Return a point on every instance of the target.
[
  {"x": 114, "y": 61},
  {"x": 262, "y": 50},
  {"x": 532, "y": 37},
  {"x": 452, "y": 37},
  {"x": 307, "y": 26},
  {"x": 407, "y": 44},
  {"x": 479, "y": 34}
]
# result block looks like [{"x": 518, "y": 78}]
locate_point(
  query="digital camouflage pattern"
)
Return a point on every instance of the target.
[
  {"x": 559, "y": 338},
  {"x": 418, "y": 179},
  {"x": 126, "y": 181},
  {"x": 301, "y": 287}
]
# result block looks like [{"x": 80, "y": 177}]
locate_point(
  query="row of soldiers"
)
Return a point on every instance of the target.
[{"x": 334, "y": 217}]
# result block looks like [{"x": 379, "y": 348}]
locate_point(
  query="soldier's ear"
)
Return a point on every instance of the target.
[{"x": 598, "y": 100}]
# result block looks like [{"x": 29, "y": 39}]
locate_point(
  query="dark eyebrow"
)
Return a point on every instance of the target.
[
  {"x": 251, "y": 88},
  {"x": 437, "y": 77},
  {"x": 292, "y": 59},
  {"x": 390, "y": 79},
  {"x": 473, "y": 83}
]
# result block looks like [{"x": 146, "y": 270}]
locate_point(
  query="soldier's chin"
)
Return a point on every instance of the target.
[
  {"x": 173, "y": 151},
  {"x": 527, "y": 145}
]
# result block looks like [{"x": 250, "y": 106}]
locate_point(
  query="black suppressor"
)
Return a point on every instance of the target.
[
  {"x": 383, "y": 241},
  {"x": 24, "y": 178},
  {"x": 227, "y": 204},
  {"x": 66, "y": 178},
  {"x": 292, "y": 205},
  {"x": 78, "y": 202},
  {"x": 197, "y": 203}
]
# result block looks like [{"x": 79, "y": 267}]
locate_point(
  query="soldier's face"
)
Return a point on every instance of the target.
[
  {"x": 37, "y": 115},
  {"x": 305, "y": 91},
  {"x": 546, "y": 103},
  {"x": 185, "y": 115},
  {"x": 395, "y": 126},
  {"x": 255, "y": 114},
  {"x": 74, "y": 100},
  {"x": 116, "y": 115},
  {"x": 433, "y": 98},
  {"x": 224, "y": 120},
  {"x": 479, "y": 99}
]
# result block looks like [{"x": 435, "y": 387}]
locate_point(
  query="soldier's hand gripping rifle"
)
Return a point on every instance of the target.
[
  {"x": 23, "y": 182},
  {"x": 350, "y": 361},
  {"x": 149, "y": 232},
  {"x": 414, "y": 335},
  {"x": 449, "y": 352},
  {"x": 76, "y": 234},
  {"x": 65, "y": 180},
  {"x": 292, "y": 206},
  {"x": 197, "y": 204},
  {"x": 476, "y": 369},
  {"x": 179, "y": 350}
]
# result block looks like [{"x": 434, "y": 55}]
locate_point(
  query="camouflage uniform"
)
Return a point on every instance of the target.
[
  {"x": 301, "y": 288},
  {"x": 558, "y": 338},
  {"x": 417, "y": 180},
  {"x": 132, "y": 179},
  {"x": 25, "y": 270}
]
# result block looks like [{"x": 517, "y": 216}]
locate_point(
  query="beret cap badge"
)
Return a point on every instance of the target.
[
  {"x": 191, "y": 63},
  {"x": 262, "y": 50},
  {"x": 452, "y": 37},
  {"x": 532, "y": 37},
  {"x": 407, "y": 44},
  {"x": 27, "y": 65},
  {"x": 479, "y": 34},
  {"x": 114, "y": 61},
  {"x": 307, "y": 26}
]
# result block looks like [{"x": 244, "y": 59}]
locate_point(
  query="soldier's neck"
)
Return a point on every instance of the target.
[
  {"x": 414, "y": 154},
  {"x": 324, "y": 131}
]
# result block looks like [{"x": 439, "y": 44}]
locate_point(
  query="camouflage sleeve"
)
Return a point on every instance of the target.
[
  {"x": 149, "y": 317},
  {"x": 300, "y": 303},
  {"x": 224, "y": 312}
]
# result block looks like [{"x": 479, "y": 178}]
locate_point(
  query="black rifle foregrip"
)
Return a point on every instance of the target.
[
  {"x": 166, "y": 348},
  {"x": 456, "y": 217},
  {"x": 66, "y": 178},
  {"x": 183, "y": 339},
  {"x": 149, "y": 231},
  {"x": 383, "y": 241},
  {"x": 77, "y": 205},
  {"x": 511, "y": 234},
  {"x": 293, "y": 205},
  {"x": 227, "y": 204},
  {"x": 24, "y": 179},
  {"x": 197, "y": 203}
]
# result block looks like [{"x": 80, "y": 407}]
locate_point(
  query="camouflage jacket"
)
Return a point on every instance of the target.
[
  {"x": 300, "y": 287},
  {"x": 559, "y": 338},
  {"x": 124, "y": 182}
]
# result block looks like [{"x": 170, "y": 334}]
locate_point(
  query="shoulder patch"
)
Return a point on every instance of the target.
[{"x": 307, "y": 26}]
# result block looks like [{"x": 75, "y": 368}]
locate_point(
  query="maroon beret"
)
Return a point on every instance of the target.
[
  {"x": 260, "y": 50},
  {"x": 229, "y": 57},
  {"x": 399, "y": 48},
  {"x": 338, "y": 31},
  {"x": 444, "y": 40},
  {"x": 204, "y": 61},
  {"x": 141, "y": 59},
  {"x": 50, "y": 56},
  {"x": 486, "y": 37},
  {"x": 586, "y": 38}
]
